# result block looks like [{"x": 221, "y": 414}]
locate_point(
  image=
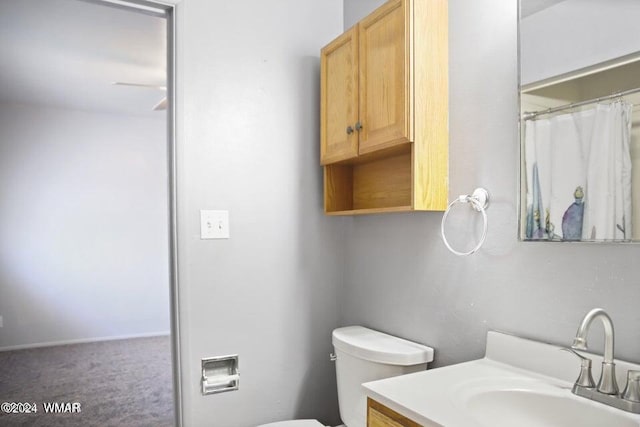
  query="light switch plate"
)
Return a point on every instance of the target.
[{"x": 214, "y": 224}]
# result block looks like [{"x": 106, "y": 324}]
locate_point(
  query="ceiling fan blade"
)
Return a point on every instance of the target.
[
  {"x": 162, "y": 105},
  {"x": 140, "y": 85}
]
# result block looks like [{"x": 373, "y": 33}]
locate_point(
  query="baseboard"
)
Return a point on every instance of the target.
[{"x": 83, "y": 341}]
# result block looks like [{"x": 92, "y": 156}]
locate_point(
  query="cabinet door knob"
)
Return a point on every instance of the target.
[
  {"x": 349, "y": 130},
  {"x": 358, "y": 126}
]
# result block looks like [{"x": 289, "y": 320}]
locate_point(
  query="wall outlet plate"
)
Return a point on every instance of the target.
[{"x": 214, "y": 224}]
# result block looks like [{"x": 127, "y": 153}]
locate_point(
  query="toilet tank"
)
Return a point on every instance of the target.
[{"x": 364, "y": 355}]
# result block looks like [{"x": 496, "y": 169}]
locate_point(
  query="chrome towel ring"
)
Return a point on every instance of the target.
[{"x": 480, "y": 202}]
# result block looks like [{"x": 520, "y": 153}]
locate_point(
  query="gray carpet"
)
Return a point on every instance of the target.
[{"x": 118, "y": 383}]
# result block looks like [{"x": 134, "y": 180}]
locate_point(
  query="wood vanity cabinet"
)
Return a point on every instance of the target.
[
  {"x": 379, "y": 415},
  {"x": 384, "y": 111}
]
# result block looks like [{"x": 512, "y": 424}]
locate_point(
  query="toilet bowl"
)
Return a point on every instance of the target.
[{"x": 364, "y": 355}]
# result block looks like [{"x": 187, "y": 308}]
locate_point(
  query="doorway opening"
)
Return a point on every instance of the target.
[{"x": 88, "y": 282}]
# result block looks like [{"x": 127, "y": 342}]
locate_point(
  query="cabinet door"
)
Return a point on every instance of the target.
[
  {"x": 378, "y": 419},
  {"x": 339, "y": 98},
  {"x": 385, "y": 95},
  {"x": 379, "y": 415}
]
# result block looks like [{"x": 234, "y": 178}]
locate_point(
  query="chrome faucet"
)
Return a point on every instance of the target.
[
  {"x": 607, "y": 389},
  {"x": 607, "y": 383}
]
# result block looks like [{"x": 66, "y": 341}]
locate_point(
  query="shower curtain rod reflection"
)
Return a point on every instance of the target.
[{"x": 534, "y": 114}]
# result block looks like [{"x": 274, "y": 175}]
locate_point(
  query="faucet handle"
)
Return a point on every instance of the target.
[
  {"x": 585, "y": 379},
  {"x": 632, "y": 390}
]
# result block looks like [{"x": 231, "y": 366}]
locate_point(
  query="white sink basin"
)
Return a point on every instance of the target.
[
  {"x": 530, "y": 405},
  {"x": 519, "y": 383}
]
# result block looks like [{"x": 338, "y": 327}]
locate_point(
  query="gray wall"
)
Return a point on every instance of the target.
[
  {"x": 401, "y": 279},
  {"x": 249, "y": 143},
  {"x": 83, "y": 226},
  {"x": 355, "y": 10}
]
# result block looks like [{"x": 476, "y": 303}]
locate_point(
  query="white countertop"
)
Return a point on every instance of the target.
[{"x": 436, "y": 397}]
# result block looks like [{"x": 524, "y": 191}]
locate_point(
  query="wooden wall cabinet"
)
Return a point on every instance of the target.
[
  {"x": 384, "y": 111},
  {"x": 379, "y": 415}
]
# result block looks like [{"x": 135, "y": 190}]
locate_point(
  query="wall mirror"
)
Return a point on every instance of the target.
[{"x": 580, "y": 120}]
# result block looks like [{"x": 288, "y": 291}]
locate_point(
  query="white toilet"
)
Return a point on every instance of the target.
[{"x": 364, "y": 355}]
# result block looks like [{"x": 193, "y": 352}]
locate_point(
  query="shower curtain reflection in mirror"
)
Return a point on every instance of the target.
[{"x": 578, "y": 175}]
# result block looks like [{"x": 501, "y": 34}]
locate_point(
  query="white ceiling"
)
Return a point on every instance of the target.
[
  {"x": 529, "y": 7},
  {"x": 66, "y": 53}
]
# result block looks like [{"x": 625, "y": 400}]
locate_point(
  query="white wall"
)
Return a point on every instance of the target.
[
  {"x": 83, "y": 226},
  {"x": 249, "y": 143},
  {"x": 401, "y": 279},
  {"x": 577, "y": 33}
]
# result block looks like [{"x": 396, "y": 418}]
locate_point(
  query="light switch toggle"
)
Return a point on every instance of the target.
[
  {"x": 214, "y": 224},
  {"x": 220, "y": 374}
]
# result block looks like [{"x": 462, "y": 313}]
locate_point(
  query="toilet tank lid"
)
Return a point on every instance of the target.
[{"x": 375, "y": 346}]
